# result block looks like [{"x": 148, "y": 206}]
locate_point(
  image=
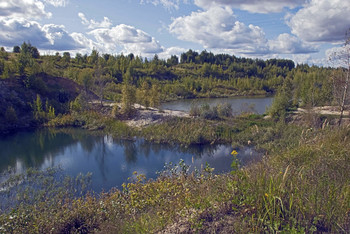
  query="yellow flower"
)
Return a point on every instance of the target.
[
  {"x": 234, "y": 152},
  {"x": 266, "y": 195}
]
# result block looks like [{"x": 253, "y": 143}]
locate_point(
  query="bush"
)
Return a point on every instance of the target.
[
  {"x": 212, "y": 113},
  {"x": 194, "y": 111},
  {"x": 206, "y": 112},
  {"x": 225, "y": 110},
  {"x": 115, "y": 111}
]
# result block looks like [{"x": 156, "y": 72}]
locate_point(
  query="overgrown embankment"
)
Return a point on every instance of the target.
[
  {"x": 18, "y": 98},
  {"x": 302, "y": 185}
]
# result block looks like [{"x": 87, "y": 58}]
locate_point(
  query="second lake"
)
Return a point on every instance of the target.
[{"x": 256, "y": 105}]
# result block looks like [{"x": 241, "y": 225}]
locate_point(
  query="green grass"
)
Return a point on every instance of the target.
[
  {"x": 301, "y": 185},
  {"x": 94, "y": 121}
]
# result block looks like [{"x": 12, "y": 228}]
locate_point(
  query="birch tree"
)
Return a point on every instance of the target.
[{"x": 341, "y": 75}]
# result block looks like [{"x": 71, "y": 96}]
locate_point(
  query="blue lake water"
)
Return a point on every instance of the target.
[
  {"x": 239, "y": 104},
  {"x": 111, "y": 161}
]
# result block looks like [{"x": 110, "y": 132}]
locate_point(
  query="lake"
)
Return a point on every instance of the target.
[
  {"x": 111, "y": 161},
  {"x": 239, "y": 104}
]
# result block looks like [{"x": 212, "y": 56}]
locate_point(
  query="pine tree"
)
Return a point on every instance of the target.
[
  {"x": 154, "y": 96},
  {"x": 128, "y": 95}
]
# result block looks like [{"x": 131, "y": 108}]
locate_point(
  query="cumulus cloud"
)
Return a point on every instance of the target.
[
  {"x": 321, "y": 21},
  {"x": 217, "y": 28},
  {"x": 86, "y": 44},
  {"x": 59, "y": 38},
  {"x": 15, "y": 32},
  {"x": 167, "y": 52},
  {"x": 92, "y": 24},
  {"x": 150, "y": 48},
  {"x": 128, "y": 37},
  {"x": 288, "y": 44},
  {"x": 338, "y": 56},
  {"x": 255, "y": 6},
  {"x": 29, "y": 9},
  {"x": 168, "y": 4},
  {"x": 57, "y": 3}
]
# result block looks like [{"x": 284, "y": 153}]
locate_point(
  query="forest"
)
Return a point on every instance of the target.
[{"x": 130, "y": 78}]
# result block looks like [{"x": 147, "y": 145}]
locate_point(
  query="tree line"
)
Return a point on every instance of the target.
[{"x": 130, "y": 78}]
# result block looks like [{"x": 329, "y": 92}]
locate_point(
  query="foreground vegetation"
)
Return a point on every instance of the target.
[{"x": 301, "y": 185}]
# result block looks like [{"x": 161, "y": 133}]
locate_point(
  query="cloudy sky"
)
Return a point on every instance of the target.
[{"x": 302, "y": 30}]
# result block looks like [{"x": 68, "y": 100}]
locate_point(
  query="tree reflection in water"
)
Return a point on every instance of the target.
[{"x": 110, "y": 160}]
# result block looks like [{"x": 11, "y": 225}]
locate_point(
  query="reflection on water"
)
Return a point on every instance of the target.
[
  {"x": 111, "y": 161},
  {"x": 239, "y": 104}
]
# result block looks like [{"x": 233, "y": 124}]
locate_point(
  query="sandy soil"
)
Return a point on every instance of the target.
[
  {"x": 144, "y": 116},
  {"x": 323, "y": 110},
  {"x": 147, "y": 116}
]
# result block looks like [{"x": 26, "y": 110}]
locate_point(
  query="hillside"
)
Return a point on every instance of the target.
[{"x": 21, "y": 93}]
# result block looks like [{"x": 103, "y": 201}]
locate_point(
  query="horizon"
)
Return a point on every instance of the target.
[{"x": 304, "y": 31}]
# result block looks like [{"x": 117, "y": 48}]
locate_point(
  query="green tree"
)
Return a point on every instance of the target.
[
  {"x": 93, "y": 58},
  {"x": 85, "y": 78},
  {"x": 38, "y": 112},
  {"x": 173, "y": 60},
  {"x": 142, "y": 95},
  {"x": 283, "y": 101},
  {"x": 128, "y": 95},
  {"x": 155, "y": 96},
  {"x": 66, "y": 57},
  {"x": 16, "y": 49}
]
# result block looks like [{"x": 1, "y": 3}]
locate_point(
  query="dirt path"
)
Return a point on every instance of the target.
[
  {"x": 147, "y": 116},
  {"x": 323, "y": 110},
  {"x": 143, "y": 116}
]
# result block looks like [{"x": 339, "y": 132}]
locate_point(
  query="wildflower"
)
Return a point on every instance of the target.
[
  {"x": 266, "y": 195},
  {"x": 234, "y": 152}
]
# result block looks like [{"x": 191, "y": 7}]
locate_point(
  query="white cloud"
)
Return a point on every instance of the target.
[
  {"x": 168, "y": 4},
  {"x": 338, "y": 56},
  {"x": 92, "y": 24},
  {"x": 217, "y": 28},
  {"x": 86, "y": 44},
  {"x": 127, "y": 37},
  {"x": 27, "y": 9},
  {"x": 146, "y": 49},
  {"x": 15, "y": 32},
  {"x": 301, "y": 58},
  {"x": 321, "y": 21},
  {"x": 288, "y": 44},
  {"x": 59, "y": 38},
  {"x": 255, "y": 6},
  {"x": 57, "y": 3}
]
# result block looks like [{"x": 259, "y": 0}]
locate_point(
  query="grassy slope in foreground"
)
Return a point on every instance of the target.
[{"x": 303, "y": 186}]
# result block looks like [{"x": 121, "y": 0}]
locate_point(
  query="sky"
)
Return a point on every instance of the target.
[{"x": 306, "y": 31}]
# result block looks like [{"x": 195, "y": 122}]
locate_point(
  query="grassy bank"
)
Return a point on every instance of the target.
[
  {"x": 302, "y": 185},
  {"x": 177, "y": 130}
]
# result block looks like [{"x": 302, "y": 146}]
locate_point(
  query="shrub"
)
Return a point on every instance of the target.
[
  {"x": 194, "y": 111},
  {"x": 207, "y": 112},
  {"x": 225, "y": 110}
]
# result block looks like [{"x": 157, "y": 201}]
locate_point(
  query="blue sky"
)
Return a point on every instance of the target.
[{"x": 303, "y": 30}]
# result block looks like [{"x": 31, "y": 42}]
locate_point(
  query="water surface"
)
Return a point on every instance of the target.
[
  {"x": 111, "y": 161},
  {"x": 239, "y": 104}
]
